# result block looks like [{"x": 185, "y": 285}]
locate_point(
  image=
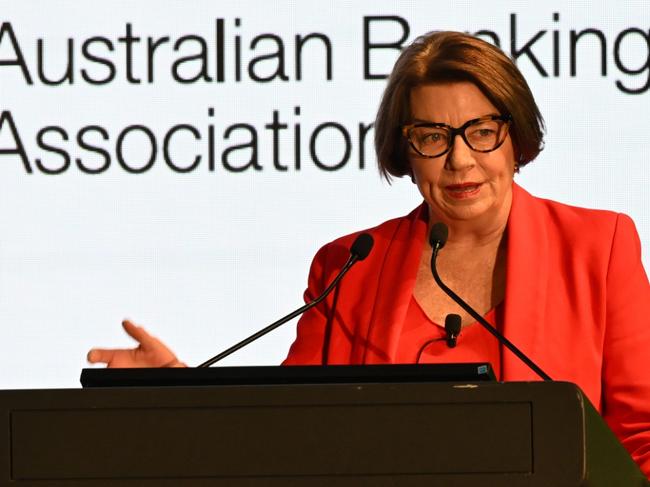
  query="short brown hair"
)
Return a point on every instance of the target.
[{"x": 440, "y": 57}]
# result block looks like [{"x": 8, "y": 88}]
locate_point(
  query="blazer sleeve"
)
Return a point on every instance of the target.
[{"x": 626, "y": 355}]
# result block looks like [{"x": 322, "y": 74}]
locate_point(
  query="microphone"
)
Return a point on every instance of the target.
[
  {"x": 452, "y": 328},
  {"x": 438, "y": 238},
  {"x": 361, "y": 246},
  {"x": 359, "y": 250}
]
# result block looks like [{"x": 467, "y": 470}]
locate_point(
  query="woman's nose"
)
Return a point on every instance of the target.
[{"x": 460, "y": 156}]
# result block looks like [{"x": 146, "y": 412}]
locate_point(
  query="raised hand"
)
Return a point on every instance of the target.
[{"x": 150, "y": 351}]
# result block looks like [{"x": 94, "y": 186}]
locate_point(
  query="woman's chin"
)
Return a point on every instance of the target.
[{"x": 464, "y": 209}]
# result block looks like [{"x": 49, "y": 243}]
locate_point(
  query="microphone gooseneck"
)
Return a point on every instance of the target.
[
  {"x": 359, "y": 250},
  {"x": 437, "y": 238}
]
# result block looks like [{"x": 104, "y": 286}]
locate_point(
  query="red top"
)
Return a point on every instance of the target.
[{"x": 422, "y": 336}]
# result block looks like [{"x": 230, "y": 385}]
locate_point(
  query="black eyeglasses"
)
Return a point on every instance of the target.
[{"x": 483, "y": 134}]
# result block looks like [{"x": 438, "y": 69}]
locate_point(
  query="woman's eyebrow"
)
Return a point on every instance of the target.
[{"x": 420, "y": 120}]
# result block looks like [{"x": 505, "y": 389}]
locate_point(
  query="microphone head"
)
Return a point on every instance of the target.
[
  {"x": 362, "y": 246},
  {"x": 452, "y": 328},
  {"x": 438, "y": 235},
  {"x": 452, "y": 324}
]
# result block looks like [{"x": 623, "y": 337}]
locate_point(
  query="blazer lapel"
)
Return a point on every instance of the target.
[
  {"x": 396, "y": 282},
  {"x": 526, "y": 285}
]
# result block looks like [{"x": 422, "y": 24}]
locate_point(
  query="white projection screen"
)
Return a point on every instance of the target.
[{"x": 179, "y": 163}]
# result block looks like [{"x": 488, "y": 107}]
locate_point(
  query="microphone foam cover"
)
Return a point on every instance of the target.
[
  {"x": 452, "y": 324},
  {"x": 362, "y": 246},
  {"x": 438, "y": 235}
]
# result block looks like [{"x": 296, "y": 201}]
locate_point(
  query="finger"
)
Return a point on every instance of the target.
[
  {"x": 136, "y": 332},
  {"x": 102, "y": 355}
]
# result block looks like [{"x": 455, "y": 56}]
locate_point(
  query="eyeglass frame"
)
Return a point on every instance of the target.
[{"x": 453, "y": 131}]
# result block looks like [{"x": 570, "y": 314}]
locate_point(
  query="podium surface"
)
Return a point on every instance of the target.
[{"x": 311, "y": 434}]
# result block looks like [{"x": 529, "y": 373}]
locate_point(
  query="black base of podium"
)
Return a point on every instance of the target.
[{"x": 336, "y": 435}]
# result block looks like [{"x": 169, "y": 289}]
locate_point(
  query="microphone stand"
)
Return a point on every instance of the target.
[
  {"x": 508, "y": 344},
  {"x": 354, "y": 257}
]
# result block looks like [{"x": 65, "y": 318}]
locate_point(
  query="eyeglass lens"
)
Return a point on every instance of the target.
[{"x": 482, "y": 135}]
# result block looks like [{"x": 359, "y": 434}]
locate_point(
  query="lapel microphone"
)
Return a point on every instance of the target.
[{"x": 452, "y": 328}]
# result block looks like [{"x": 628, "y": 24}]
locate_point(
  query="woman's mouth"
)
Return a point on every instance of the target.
[{"x": 464, "y": 190}]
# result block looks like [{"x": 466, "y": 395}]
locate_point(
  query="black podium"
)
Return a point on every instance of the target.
[{"x": 270, "y": 429}]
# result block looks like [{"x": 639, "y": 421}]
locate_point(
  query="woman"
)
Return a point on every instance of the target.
[{"x": 565, "y": 284}]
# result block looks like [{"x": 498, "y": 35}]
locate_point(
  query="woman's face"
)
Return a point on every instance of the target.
[{"x": 462, "y": 185}]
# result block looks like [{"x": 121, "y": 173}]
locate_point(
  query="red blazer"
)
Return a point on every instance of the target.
[{"x": 577, "y": 302}]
